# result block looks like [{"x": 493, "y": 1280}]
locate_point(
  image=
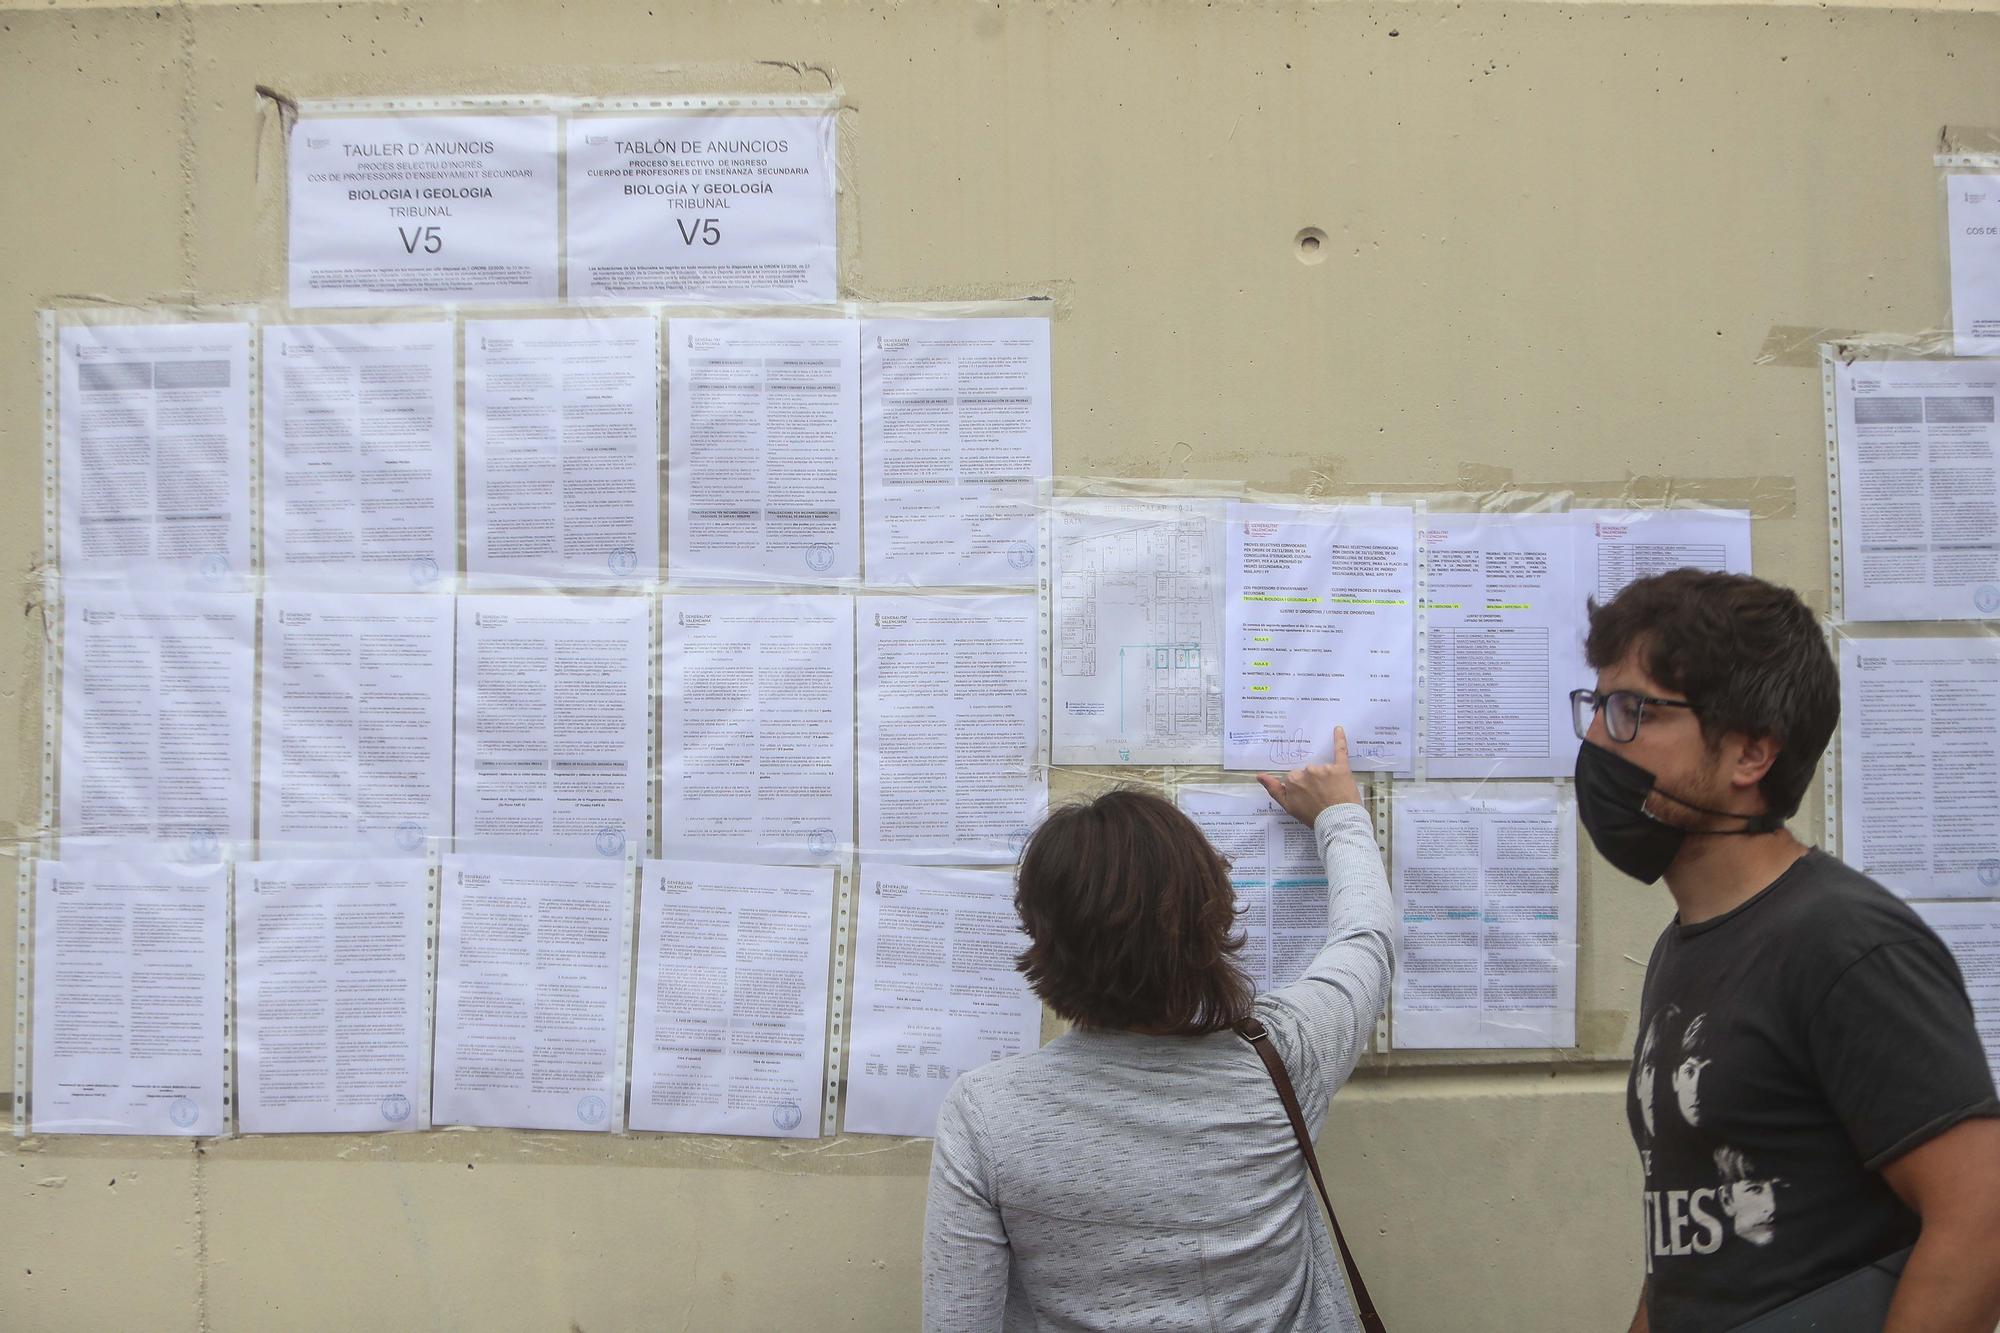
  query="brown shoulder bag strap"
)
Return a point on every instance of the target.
[{"x": 1253, "y": 1032}]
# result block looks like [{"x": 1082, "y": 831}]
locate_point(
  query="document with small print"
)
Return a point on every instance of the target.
[
  {"x": 935, "y": 992},
  {"x": 730, "y": 1029}
]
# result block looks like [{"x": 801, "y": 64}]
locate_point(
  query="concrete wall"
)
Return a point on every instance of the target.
[{"x": 1557, "y": 238}]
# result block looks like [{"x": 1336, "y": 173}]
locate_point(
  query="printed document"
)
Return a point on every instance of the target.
[
  {"x": 332, "y": 996},
  {"x": 1136, "y": 595},
  {"x": 1619, "y": 545},
  {"x": 1274, "y": 866},
  {"x": 757, "y": 719},
  {"x": 1920, "y": 764},
  {"x": 562, "y": 451},
  {"x": 1320, "y": 626},
  {"x": 360, "y": 456},
  {"x": 421, "y": 210},
  {"x": 156, "y": 703},
  {"x": 356, "y": 722},
  {"x": 935, "y": 992},
  {"x": 703, "y": 206},
  {"x": 1972, "y": 218},
  {"x": 530, "y": 993},
  {"x": 1972, "y": 932},
  {"x": 1485, "y": 886},
  {"x": 1503, "y": 621},
  {"x": 730, "y": 1029},
  {"x": 1919, "y": 488},
  {"x": 128, "y": 998},
  {"x": 552, "y": 724},
  {"x": 153, "y": 432},
  {"x": 763, "y": 451},
  {"x": 948, "y": 695},
  {"x": 955, "y": 443}
]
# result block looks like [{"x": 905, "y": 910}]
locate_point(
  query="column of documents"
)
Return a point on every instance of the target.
[
  {"x": 1503, "y": 617},
  {"x": 757, "y": 705},
  {"x": 562, "y": 451},
  {"x": 1920, "y": 764},
  {"x": 356, "y": 721},
  {"x": 1320, "y": 629},
  {"x": 553, "y": 723},
  {"x": 702, "y": 206},
  {"x": 1919, "y": 489},
  {"x": 156, "y": 703},
  {"x": 948, "y": 702},
  {"x": 935, "y": 993},
  {"x": 332, "y": 996},
  {"x": 153, "y": 428},
  {"x": 1274, "y": 866},
  {"x": 1972, "y": 932},
  {"x": 955, "y": 439},
  {"x": 1137, "y": 606},
  {"x": 128, "y": 997},
  {"x": 360, "y": 455},
  {"x": 1485, "y": 891},
  {"x": 730, "y": 1029},
  {"x": 530, "y": 1014},
  {"x": 420, "y": 210},
  {"x": 763, "y": 470}
]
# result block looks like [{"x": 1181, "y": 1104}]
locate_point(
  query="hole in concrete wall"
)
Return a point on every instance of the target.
[{"x": 1310, "y": 246}]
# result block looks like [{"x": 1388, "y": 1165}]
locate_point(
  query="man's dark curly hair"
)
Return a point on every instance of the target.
[{"x": 1748, "y": 654}]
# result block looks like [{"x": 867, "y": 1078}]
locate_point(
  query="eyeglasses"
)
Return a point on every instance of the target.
[{"x": 1623, "y": 711}]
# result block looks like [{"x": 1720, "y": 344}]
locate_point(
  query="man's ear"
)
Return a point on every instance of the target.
[{"x": 1754, "y": 760}]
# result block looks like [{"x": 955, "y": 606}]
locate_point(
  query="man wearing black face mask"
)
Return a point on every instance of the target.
[{"x": 1815, "y": 1097}]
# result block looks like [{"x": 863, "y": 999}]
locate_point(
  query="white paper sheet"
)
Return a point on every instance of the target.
[
  {"x": 1320, "y": 630},
  {"x": 1485, "y": 885},
  {"x": 553, "y": 724},
  {"x": 128, "y": 998},
  {"x": 420, "y": 210},
  {"x": 532, "y": 953},
  {"x": 1919, "y": 489},
  {"x": 332, "y": 996},
  {"x": 1920, "y": 764},
  {"x": 1616, "y": 546},
  {"x": 153, "y": 430},
  {"x": 757, "y": 726},
  {"x": 1274, "y": 866},
  {"x": 1972, "y": 219},
  {"x": 1136, "y": 600},
  {"x": 956, "y": 430},
  {"x": 948, "y": 702},
  {"x": 1503, "y": 618},
  {"x": 763, "y": 451},
  {"x": 355, "y": 726},
  {"x": 1972, "y": 932},
  {"x": 729, "y": 1033},
  {"x": 360, "y": 456},
  {"x": 935, "y": 992},
  {"x": 562, "y": 451},
  {"x": 156, "y": 702},
  {"x": 703, "y": 206}
]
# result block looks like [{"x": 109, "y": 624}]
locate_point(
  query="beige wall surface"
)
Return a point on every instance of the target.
[{"x": 1557, "y": 237}]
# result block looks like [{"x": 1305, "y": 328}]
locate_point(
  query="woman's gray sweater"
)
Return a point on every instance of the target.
[{"x": 1116, "y": 1181}]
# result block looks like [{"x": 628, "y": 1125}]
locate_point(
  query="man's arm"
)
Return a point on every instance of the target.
[
  {"x": 1952, "y": 1182},
  {"x": 1639, "y": 1322}
]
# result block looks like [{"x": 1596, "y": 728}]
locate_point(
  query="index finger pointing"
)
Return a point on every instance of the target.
[{"x": 1340, "y": 745}]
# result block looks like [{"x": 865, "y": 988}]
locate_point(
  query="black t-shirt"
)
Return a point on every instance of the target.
[{"x": 1788, "y": 1050}]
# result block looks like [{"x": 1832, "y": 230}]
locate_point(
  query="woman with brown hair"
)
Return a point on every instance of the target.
[{"x": 1139, "y": 1171}]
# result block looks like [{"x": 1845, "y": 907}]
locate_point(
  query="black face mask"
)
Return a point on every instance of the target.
[{"x": 1611, "y": 794}]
